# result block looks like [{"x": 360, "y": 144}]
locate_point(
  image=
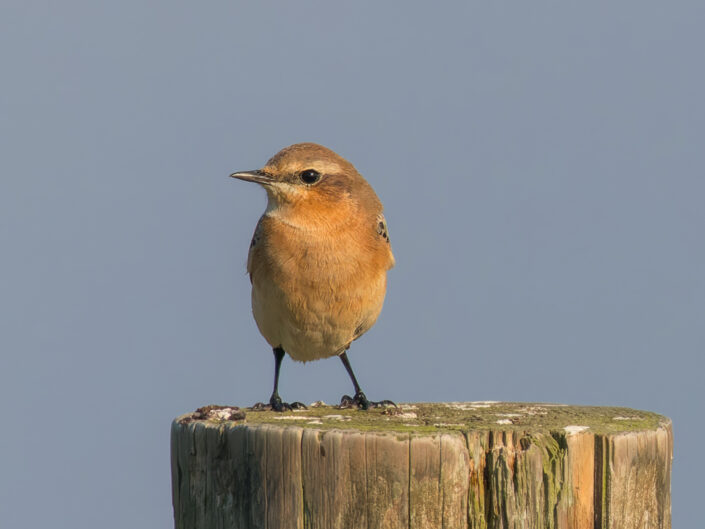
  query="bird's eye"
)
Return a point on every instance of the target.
[{"x": 310, "y": 176}]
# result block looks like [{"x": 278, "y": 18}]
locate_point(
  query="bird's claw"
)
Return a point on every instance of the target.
[
  {"x": 346, "y": 401},
  {"x": 276, "y": 404},
  {"x": 361, "y": 402}
]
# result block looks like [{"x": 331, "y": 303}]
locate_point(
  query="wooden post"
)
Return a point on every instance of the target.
[{"x": 446, "y": 465}]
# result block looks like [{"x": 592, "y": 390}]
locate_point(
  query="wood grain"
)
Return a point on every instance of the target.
[{"x": 494, "y": 475}]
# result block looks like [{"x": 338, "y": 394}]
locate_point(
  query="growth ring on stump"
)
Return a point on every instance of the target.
[{"x": 445, "y": 465}]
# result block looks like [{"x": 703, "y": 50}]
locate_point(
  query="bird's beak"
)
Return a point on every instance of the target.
[{"x": 254, "y": 176}]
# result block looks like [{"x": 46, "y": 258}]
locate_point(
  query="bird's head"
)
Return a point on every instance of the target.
[{"x": 307, "y": 178}]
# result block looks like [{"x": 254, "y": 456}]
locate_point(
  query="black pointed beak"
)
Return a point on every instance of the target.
[{"x": 256, "y": 176}]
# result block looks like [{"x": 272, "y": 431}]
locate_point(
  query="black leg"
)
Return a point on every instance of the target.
[
  {"x": 348, "y": 368},
  {"x": 359, "y": 400},
  {"x": 275, "y": 401}
]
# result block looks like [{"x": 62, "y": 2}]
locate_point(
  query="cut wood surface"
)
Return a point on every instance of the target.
[{"x": 433, "y": 465}]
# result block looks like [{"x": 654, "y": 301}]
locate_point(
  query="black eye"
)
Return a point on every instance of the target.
[{"x": 310, "y": 176}]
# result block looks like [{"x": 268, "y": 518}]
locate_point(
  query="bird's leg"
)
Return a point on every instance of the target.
[
  {"x": 359, "y": 400},
  {"x": 275, "y": 401}
]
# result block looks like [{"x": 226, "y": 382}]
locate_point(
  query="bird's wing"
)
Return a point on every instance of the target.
[
  {"x": 382, "y": 229},
  {"x": 383, "y": 235},
  {"x": 254, "y": 245}
]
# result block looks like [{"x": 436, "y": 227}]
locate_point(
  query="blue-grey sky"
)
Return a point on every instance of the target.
[{"x": 542, "y": 168}]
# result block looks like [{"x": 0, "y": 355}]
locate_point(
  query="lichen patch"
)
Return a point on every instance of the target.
[
  {"x": 337, "y": 417},
  {"x": 573, "y": 429}
]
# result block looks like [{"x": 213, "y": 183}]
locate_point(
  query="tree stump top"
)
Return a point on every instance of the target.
[{"x": 429, "y": 418}]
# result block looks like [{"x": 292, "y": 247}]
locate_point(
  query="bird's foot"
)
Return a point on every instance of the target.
[
  {"x": 276, "y": 404},
  {"x": 361, "y": 402}
]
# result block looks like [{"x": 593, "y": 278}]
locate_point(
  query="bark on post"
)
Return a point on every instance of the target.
[{"x": 447, "y": 465}]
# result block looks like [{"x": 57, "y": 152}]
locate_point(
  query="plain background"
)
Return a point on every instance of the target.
[{"x": 542, "y": 169}]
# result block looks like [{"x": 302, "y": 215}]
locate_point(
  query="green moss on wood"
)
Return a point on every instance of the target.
[{"x": 425, "y": 418}]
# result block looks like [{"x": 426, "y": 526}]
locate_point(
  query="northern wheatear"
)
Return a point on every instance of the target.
[{"x": 318, "y": 259}]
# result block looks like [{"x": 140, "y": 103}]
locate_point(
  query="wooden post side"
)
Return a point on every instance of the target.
[
  {"x": 639, "y": 480},
  {"x": 590, "y": 468}
]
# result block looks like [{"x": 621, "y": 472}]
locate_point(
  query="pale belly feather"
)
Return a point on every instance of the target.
[{"x": 310, "y": 311}]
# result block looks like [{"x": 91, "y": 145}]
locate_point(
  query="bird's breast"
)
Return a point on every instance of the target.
[{"x": 314, "y": 291}]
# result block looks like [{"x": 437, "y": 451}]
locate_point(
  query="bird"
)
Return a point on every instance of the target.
[{"x": 317, "y": 262}]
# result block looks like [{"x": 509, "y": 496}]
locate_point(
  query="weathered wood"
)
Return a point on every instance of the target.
[
  {"x": 636, "y": 479},
  {"x": 452, "y": 466},
  {"x": 387, "y": 470}
]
